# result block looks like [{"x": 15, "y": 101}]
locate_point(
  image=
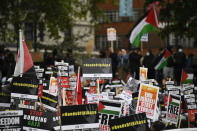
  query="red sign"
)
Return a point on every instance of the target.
[{"x": 64, "y": 81}]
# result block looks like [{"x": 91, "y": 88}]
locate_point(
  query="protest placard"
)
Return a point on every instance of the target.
[
  {"x": 11, "y": 120},
  {"x": 97, "y": 68},
  {"x": 36, "y": 120},
  {"x": 143, "y": 73},
  {"x": 173, "y": 108},
  {"x": 147, "y": 100},
  {"x": 108, "y": 109},
  {"x": 5, "y": 95},
  {"x": 79, "y": 117},
  {"x": 137, "y": 122},
  {"x": 49, "y": 101},
  {"x": 24, "y": 88}
]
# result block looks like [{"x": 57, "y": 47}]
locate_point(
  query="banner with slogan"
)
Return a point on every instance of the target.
[
  {"x": 11, "y": 120},
  {"x": 143, "y": 73},
  {"x": 64, "y": 81},
  {"x": 173, "y": 108},
  {"x": 79, "y": 117},
  {"x": 191, "y": 114},
  {"x": 147, "y": 100},
  {"x": 97, "y": 68},
  {"x": 94, "y": 98},
  {"x": 5, "y": 96},
  {"x": 24, "y": 88},
  {"x": 49, "y": 101},
  {"x": 27, "y": 104},
  {"x": 136, "y": 122},
  {"x": 36, "y": 120},
  {"x": 108, "y": 109}
]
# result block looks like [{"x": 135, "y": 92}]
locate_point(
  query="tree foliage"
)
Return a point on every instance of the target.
[
  {"x": 57, "y": 15},
  {"x": 181, "y": 16}
]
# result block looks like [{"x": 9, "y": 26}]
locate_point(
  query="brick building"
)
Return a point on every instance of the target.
[{"x": 123, "y": 25}]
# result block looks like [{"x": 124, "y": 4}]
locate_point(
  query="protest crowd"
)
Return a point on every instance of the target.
[{"x": 118, "y": 90}]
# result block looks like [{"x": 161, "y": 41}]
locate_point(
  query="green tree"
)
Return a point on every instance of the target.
[
  {"x": 55, "y": 15},
  {"x": 181, "y": 16}
]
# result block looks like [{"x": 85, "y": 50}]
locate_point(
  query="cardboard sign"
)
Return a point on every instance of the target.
[
  {"x": 143, "y": 73},
  {"x": 97, "y": 68},
  {"x": 137, "y": 122},
  {"x": 79, "y": 117},
  {"x": 127, "y": 96},
  {"x": 11, "y": 120},
  {"x": 26, "y": 104},
  {"x": 24, "y": 88},
  {"x": 53, "y": 86},
  {"x": 147, "y": 100},
  {"x": 173, "y": 108},
  {"x": 191, "y": 114},
  {"x": 94, "y": 98},
  {"x": 64, "y": 81},
  {"x": 108, "y": 110},
  {"x": 36, "y": 120},
  {"x": 111, "y": 34}
]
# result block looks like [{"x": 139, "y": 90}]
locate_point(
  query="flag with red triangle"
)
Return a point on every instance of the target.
[
  {"x": 187, "y": 78},
  {"x": 24, "y": 60},
  {"x": 78, "y": 89},
  {"x": 184, "y": 76},
  {"x": 147, "y": 23}
]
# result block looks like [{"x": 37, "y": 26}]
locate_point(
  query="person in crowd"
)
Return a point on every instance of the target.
[
  {"x": 147, "y": 63},
  {"x": 134, "y": 63},
  {"x": 168, "y": 71},
  {"x": 102, "y": 54},
  {"x": 8, "y": 65},
  {"x": 189, "y": 62},
  {"x": 69, "y": 57},
  {"x": 114, "y": 59},
  {"x": 179, "y": 64},
  {"x": 122, "y": 63}
]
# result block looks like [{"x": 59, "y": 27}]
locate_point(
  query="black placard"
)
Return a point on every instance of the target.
[
  {"x": 97, "y": 68},
  {"x": 24, "y": 88},
  {"x": 137, "y": 122},
  {"x": 79, "y": 116},
  {"x": 11, "y": 120},
  {"x": 34, "y": 119}
]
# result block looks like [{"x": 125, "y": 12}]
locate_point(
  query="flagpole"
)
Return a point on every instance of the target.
[{"x": 76, "y": 93}]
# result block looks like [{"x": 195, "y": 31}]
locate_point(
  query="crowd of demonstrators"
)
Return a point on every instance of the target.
[{"x": 123, "y": 60}]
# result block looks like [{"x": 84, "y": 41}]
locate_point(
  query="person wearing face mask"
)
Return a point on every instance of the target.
[{"x": 147, "y": 63}]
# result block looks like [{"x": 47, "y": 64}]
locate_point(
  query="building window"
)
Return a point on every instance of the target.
[
  {"x": 112, "y": 16},
  {"x": 102, "y": 43},
  {"x": 136, "y": 14},
  {"x": 28, "y": 31}
]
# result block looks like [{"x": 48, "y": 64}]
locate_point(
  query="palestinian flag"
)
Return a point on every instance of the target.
[
  {"x": 148, "y": 23},
  {"x": 24, "y": 61},
  {"x": 107, "y": 107},
  {"x": 186, "y": 77},
  {"x": 163, "y": 61}
]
